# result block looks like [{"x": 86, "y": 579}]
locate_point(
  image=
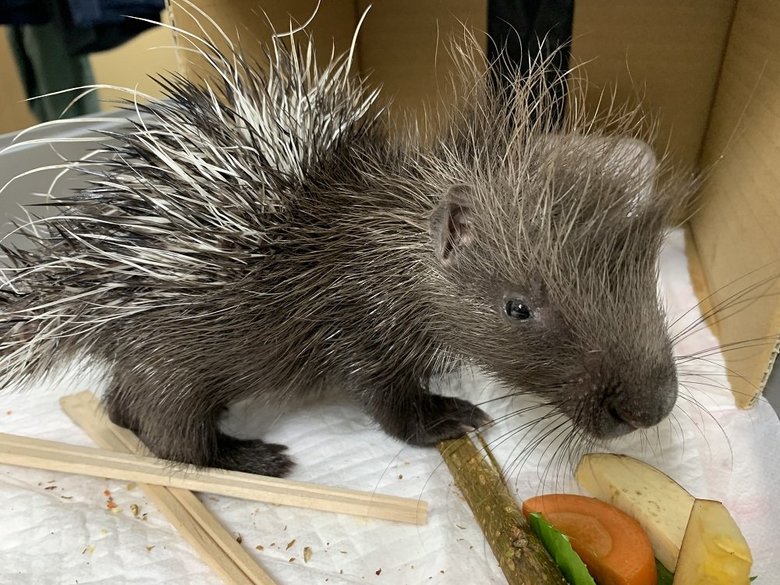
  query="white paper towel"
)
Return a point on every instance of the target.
[{"x": 56, "y": 528}]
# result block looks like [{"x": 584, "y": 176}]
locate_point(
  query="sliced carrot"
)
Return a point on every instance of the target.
[{"x": 611, "y": 543}]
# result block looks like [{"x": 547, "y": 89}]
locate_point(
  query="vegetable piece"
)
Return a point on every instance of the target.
[
  {"x": 560, "y": 549},
  {"x": 612, "y": 544},
  {"x": 643, "y": 492},
  {"x": 713, "y": 552},
  {"x": 664, "y": 576}
]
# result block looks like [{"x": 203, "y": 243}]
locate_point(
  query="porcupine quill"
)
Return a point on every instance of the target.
[{"x": 264, "y": 235}]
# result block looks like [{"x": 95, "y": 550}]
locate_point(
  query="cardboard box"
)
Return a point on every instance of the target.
[{"x": 709, "y": 70}]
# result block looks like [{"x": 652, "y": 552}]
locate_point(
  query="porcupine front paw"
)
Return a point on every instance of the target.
[
  {"x": 252, "y": 456},
  {"x": 437, "y": 418},
  {"x": 442, "y": 417}
]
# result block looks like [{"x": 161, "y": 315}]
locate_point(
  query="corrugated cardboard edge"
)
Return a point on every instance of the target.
[{"x": 737, "y": 231}]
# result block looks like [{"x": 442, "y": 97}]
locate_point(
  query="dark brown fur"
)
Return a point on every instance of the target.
[{"x": 363, "y": 262}]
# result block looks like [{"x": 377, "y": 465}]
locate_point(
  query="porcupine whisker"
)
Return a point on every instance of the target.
[
  {"x": 688, "y": 396},
  {"x": 544, "y": 436},
  {"x": 728, "y": 370},
  {"x": 714, "y": 350},
  {"x": 520, "y": 412},
  {"x": 716, "y": 317},
  {"x": 521, "y": 433},
  {"x": 709, "y": 380},
  {"x": 702, "y": 410},
  {"x": 736, "y": 298},
  {"x": 560, "y": 442},
  {"x": 714, "y": 377},
  {"x": 677, "y": 428},
  {"x": 569, "y": 458},
  {"x": 524, "y": 429},
  {"x": 539, "y": 403}
]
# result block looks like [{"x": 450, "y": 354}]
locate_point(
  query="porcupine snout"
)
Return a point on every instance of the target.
[{"x": 619, "y": 396}]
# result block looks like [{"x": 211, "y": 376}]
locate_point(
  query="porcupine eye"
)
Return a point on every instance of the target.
[{"x": 516, "y": 309}]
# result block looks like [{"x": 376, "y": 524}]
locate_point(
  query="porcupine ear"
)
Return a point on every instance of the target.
[
  {"x": 636, "y": 159},
  {"x": 451, "y": 225},
  {"x": 631, "y": 159}
]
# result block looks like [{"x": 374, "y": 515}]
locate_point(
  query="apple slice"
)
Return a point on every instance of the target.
[
  {"x": 713, "y": 552},
  {"x": 659, "y": 504}
]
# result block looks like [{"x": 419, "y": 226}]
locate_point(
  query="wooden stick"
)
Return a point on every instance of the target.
[
  {"x": 54, "y": 456},
  {"x": 215, "y": 546},
  {"x": 519, "y": 552}
]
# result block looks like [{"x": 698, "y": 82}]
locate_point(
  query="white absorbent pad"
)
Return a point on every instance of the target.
[{"x": 57, "y": 528}]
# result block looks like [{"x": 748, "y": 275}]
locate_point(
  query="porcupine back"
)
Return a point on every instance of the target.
[{"x": 185, "y": 204}]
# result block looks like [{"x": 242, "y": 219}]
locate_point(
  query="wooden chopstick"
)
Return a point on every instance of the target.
[
  {"x": 54, "y": 456},
  {"x": 215, "y": 545}
]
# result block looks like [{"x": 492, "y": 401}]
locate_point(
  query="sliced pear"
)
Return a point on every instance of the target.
[
  {"x": 713, "y": 552},
  {"x": 658, "y": 503}
]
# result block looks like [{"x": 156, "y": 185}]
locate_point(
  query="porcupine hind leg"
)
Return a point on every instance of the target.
[
  {"x": 420, "y": 417},
  {"x": 184, "y": 431}
]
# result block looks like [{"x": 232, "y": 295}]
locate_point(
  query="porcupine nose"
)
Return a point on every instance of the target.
[{"x": 643, "y": 406}]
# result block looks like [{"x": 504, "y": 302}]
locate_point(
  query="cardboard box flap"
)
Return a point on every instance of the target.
[{"x": 737, "y": 231}]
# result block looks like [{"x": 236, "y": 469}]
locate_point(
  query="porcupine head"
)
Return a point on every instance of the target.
[
  {"x": 549, "y": 247},
  {"x": 189, "y": 264}
]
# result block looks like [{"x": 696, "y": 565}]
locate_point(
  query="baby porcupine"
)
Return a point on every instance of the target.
[{"x": 265, "y": 236}]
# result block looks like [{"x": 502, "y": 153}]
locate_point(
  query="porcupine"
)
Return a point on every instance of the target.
[{"x": 266, "y": 235}]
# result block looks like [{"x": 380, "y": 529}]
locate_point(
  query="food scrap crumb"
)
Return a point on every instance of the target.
[
  {"x": 379, "y": 571},
  {"x": 150, "y": 547},
  {"x": 134, "y": 510},
  {"x": 306, "y": 554},
  {"x": 111, "y": 504},
  {"x": 239, "y": 538},
  {"x": 131, "y": 486},
  {"x": 400, "y": 476},
  {"x": 290, "y": 544},
  {"x": 50, "y": 487},
  {"x": 292, "y": 559},
  {"x": 107, "y": 493},
  {"x": 260, "y": 547}
]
